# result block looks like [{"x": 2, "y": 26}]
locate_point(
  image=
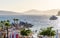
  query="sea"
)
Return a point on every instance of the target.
[{"x": 38, "y": 22}]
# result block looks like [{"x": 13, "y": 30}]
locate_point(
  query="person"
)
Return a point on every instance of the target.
[
  {"x": 14, "y": 34},
  {"x": 11, "y": 35},
  {"x": 34, "y": 36},
  {"x": 17, "y": 36},
  {"x": 4, "y": 35},
  {"x": 0, "y": 34},
  {"x": 40, "y": 37}
]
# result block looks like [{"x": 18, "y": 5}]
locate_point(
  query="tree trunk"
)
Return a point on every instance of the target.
[{"x": 7, "y": 32}]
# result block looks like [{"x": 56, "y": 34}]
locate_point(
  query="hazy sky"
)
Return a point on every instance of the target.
[{"x": 24, "y": 5}]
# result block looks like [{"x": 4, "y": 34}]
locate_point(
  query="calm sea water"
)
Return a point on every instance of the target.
[{"x": 37, "y": 21}]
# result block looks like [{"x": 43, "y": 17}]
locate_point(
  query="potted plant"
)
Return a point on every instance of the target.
[
  {"x": 47, "y": 32},
  {"x": 25, "y": 32}
]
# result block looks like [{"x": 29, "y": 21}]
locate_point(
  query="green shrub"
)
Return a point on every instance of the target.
[
  {"x": 47, "y": 32},
  {"x": 25, "y": 32}
]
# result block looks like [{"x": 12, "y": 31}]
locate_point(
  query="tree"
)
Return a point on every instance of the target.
[
  {"x": 47, "y": 32},
  {"x": 15, "y": 20},
  {"x": 7, "y": 24},
  {"x": 8, "y": 21},
  {"x": 28, "y": 25},
  {"x": 2, "y": 24},
  {"x": 25, "y": 32}
]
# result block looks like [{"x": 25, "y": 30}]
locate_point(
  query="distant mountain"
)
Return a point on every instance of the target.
[
  {"x": 8, "y": 13},
  {"x": 36, "y": 12},
  {"x": 32, "y": 12},
  {"x": 58, "y": 13}
]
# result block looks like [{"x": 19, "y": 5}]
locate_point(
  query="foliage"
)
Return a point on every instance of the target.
[
  {"x": 7, "y": 24},
  {"x": 8, "y": 21},
  {"x": 47, "y": 32},
  {"x": 28, "y": 25},
  {"x": 15, "y": 19},
  {"x": 4, "y": 23},
  {"x": 25, "y": 32}
]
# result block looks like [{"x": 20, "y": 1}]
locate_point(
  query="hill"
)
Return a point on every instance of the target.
[{"x": 32, "y": 12}]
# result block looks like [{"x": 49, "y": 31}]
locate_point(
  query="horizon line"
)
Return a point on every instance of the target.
[{"x": 28, "y": 10}]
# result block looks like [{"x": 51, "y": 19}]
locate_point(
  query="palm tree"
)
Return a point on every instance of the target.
[
  {"x": 25, "y": 32},
  {"x": 47, "y": 32},
  {"x": 16, "y": 21},
  {"x": 2, "y": 24},
  {"x": 8, "y": 21},
  {"x": 28, "y": 25},
  {"x": 7, "y": 24}
]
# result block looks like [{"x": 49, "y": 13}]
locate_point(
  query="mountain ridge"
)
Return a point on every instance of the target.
[
  {"x": 31, "y": 12},
  {"x": 47, "y": 12}
]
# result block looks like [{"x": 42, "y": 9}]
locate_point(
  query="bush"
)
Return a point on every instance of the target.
[
  {"x": 47, "y": 32},
  {"x": 25, "y": 32}
]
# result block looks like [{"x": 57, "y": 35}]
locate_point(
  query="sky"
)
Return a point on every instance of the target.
[{"x": 24, "y": 5}]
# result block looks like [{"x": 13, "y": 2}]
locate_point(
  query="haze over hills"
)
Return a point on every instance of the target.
[
  {"x": 9, "y": 13},
  {"x": 48, "y": 12},
  {"x": 32, "y": 12}
]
